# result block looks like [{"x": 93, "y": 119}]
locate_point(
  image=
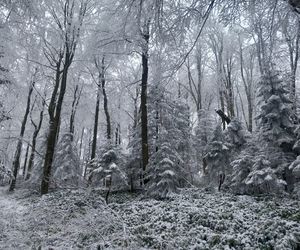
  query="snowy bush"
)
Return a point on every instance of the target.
[{"x": 5, "y": 174}]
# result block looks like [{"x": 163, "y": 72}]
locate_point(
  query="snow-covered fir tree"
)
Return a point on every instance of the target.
[
  {"x": 66, "y": 165},
  {"x": 274, "y": 140},
  {"x": 216, "y": 160},
  {"x": 275, "y": 119},
  {"x": 164, "y": 170},
  {"x": 167, "y": 114},
  {"x": 109, "y": 168}
]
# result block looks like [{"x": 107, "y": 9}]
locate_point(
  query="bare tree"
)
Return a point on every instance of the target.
[{"x": 69, "y": 26}]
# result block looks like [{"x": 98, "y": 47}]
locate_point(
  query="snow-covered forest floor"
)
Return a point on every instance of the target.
[{"x": 193, "y": 219}]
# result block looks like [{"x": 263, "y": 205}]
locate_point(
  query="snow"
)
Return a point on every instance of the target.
[
  {"x": 193, "y": 219},
  {"x": 268, "y": 177}
]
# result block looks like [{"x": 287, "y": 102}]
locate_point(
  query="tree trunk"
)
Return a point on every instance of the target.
[
  {"x": 144, "y": 111},
  {"x": 16, "y": 161},
  {"x": 54, "y": 128},
  {"x": 222, "y": 107},
  {"x": 105, "y": 101},
  {"x": 200, "y": 76},
  {"x": 25, "y": 161},
  {"x": 75, "y": 103},
  {"x": 95, "y": 131},
  {"x": 81, "y": 144},
  {"x": 37, "y": 129}
]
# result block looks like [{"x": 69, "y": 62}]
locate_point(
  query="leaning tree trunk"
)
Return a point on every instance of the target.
[{"x": 16, "y": 161}]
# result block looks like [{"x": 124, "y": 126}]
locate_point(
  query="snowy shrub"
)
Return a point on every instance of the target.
[
  {"x": 263, "y": 179},
  {"x": 5, "y": 174},
  {"x": 255, "y": 171}
]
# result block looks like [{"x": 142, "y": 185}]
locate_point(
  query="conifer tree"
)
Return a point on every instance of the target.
[
  {"x": 217, "y": 159},
  {"x": 66, "y": 166},
  {"x": 274, "y": 140},
  {"x": 109, "y": 166},
  {"x": 164, "y": 171}
]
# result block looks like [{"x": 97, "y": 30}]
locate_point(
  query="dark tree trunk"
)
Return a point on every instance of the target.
[
  {"x": 37, "y": 129},
  {"x": 54, "y": 126},
  {"x": 95, "y": 131},
  {"x": 25, "y": 161},
  {"x": 200, "y": 76},
  {"x": 105, "y": 101},
  {"x": 118, "y": 135},
  {"x": 144, "y": 111},
  {"x": 222, "y": 107},
  {"x": 75, "y": 103},
  {"x": 16, "y": 161}
]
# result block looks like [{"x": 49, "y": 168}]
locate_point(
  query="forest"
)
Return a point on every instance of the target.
[{"x": 149, "y": 124}]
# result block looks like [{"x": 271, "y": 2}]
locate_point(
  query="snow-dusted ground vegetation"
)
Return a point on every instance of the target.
[{"x": 193, "y": 219}]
